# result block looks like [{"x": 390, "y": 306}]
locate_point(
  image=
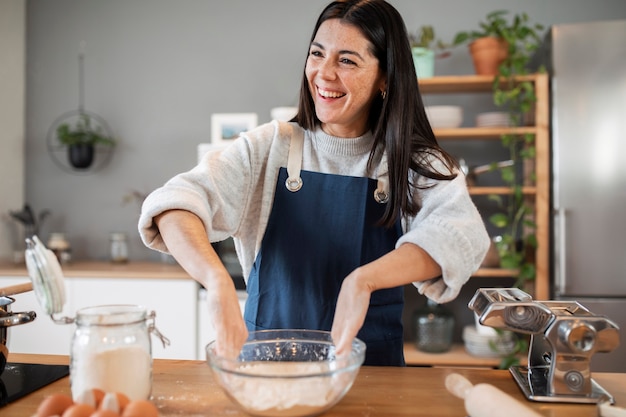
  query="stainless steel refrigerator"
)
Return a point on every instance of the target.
[{"x": 587, "y": 63}]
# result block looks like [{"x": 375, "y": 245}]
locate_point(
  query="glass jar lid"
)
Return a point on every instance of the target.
[{"x": 46, "y": 275}]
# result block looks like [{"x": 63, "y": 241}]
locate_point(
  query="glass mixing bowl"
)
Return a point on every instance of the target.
[{"x": 287, "y": 372}]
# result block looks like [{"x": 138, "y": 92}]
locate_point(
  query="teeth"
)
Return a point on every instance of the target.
[{"x": 329, "y": 94}]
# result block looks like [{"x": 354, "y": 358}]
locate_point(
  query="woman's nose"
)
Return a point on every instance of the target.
[{"x": 327, "y": 70}]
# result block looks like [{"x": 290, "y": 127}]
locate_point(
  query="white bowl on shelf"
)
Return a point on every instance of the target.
[
  {"x": 442, "y": 117},
  {"x": 493, "y": 119},
  {"x": 487, "y": 345}
]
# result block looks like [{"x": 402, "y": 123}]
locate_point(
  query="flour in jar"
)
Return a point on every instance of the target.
[
  {"x": 281, "y": 394},
  {"x": 125, "y": 369}
]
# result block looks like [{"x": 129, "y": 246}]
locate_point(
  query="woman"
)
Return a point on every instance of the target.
[{"x": 333, "y": 213}]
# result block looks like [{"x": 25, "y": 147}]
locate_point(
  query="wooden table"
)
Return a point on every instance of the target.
[{"x": 187, "y": 388}]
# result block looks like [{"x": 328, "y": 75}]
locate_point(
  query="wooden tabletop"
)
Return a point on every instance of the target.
[{"x": 187, "y": 388}]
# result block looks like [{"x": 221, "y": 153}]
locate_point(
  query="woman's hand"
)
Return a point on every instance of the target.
[
  {"x": 186, "y": 238},
  {"x": 352, "y": 305},
  {"x": 230, "y": 329},
  {"x": 408, "y": 263}
]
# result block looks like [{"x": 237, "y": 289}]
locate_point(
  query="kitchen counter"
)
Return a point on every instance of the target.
[
  {"x": 187, "y": 388},
  {"x": 104, "y": 269}
]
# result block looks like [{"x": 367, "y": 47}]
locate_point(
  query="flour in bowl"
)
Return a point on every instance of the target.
[{"x": 282, "y": 394}]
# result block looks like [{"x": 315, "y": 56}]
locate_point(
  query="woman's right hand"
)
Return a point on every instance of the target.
[
  {"x": 227, "y": 320},
  {"x": 186, "y": 238}
]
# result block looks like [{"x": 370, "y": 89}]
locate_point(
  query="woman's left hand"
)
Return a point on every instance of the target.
[{"x": 352, "y": 305}]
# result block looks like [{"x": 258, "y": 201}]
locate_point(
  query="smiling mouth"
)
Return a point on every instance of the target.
[{"x": 329, "y": 94}]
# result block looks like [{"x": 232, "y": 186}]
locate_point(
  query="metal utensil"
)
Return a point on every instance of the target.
[{"x": 564, "y": 337}]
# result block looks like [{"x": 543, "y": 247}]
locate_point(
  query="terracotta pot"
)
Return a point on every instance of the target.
[{"x": 487, "y": 54}]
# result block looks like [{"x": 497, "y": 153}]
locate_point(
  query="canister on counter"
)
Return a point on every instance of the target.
[
  {"x": 434, "y": 327},
  {"x": 119, "y": 248},
  {"x": 111, "y": 350}
]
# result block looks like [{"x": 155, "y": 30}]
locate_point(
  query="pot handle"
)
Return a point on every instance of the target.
[{"x": 15, "y": 319}]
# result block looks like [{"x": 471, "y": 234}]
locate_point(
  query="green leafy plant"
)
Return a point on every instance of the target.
[
  {"x": 512, "y": 358},
  {"x": 521, "y": 36},
  {"x": 515, "y": 95},
  {"x": 425, "y": 38},
  {"x": 83, "y": 133}
]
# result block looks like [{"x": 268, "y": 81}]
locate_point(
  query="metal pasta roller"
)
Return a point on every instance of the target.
[{"x": 564, "y": 337}]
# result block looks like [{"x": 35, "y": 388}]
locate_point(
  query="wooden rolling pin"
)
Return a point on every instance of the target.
[
  {"x": 16, "y": 289},
  {"x": 485, "y": 400}
]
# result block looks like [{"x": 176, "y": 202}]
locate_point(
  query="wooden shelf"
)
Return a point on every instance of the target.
[
  {"x": 491, "y": 133},
  {"x": 495, "y": 273},
  {"x": 457, "y": 356},
  {"x": 499, "y": 190},
  {"x": 463, "y": 83},
  {"x": 539, "y": 190}
]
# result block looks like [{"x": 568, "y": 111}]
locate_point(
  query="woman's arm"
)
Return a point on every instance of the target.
[
  {"x": 186, "y": 239},
  {"x": 407, "y": 264}
]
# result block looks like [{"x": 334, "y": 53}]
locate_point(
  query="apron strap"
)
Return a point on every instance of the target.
[
  {"x": 294, "y": 165},
  {"x": 294, "y": 162},
  {"x": 381, "y": 193}
]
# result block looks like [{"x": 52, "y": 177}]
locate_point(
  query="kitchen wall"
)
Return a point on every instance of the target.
[
  {"x": 12, "y": 106},
  {"x": 156, "y": 70}
]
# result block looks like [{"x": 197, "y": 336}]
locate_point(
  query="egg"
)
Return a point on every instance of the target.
[
  {"x": 105, "y": 413},
  {"x": 54, "y": 405},
  {"x": 140, "y": 408},
  {"x": 79, "y": 410},
  {"x": 92, "y": 397},
  {"x": 114, "y": 401}
]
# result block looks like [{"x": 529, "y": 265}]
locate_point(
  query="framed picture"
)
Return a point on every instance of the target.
[{"x": 228, "y": 126}]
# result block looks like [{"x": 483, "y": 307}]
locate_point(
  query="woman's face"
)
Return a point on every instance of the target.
[{"x": 343, "y": 78}]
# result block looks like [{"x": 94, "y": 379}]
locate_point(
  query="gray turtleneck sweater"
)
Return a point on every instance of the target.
[{"x": 232, "y": 189}]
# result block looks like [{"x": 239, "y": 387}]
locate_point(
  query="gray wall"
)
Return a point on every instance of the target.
[
  {"x": 157, "y": 69},
  {"x": 12, "y": 103}
]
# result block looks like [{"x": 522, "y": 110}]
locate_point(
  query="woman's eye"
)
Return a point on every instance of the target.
[
  {"x": 347, "y": 61},
  {"x": 315, "y": 53}
]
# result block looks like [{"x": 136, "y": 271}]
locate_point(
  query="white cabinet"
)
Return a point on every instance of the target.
[
  {"x": 41, "y": 335},
  {"x": 175, "y": 302}
]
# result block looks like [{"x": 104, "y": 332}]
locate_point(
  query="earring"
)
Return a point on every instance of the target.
[{"x": 383, "y": 94}]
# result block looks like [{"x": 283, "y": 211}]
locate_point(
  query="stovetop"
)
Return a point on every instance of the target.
[{"x": 20, "y": 379}]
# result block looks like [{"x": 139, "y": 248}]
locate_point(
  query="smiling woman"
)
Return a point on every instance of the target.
[
  {"x": 377, "y": 203},
  {"x": 344, "y": 78}
]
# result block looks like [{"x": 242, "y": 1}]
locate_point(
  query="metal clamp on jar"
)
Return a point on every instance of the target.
[
  {"x": 564, "y": 337},
  {"x": 111, "y": 348}
]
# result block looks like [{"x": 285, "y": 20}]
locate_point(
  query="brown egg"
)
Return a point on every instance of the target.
[
  {"x": 114, "y": 401},
  {"x": 140, "y": 408},
  {"x": 54, "y": 405},
  {"x": 92, "y": 397},
  {"x": 79, "y": 410},
  {"x": 105, "y": 413}
]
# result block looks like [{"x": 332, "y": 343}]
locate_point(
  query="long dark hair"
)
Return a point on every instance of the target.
[{"x": 398, "y": 122}]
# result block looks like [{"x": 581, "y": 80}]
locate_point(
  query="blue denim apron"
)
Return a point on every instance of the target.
[{"x": 315, "y": 237}]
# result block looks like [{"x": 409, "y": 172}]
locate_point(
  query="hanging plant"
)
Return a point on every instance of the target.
[{"x": 81, "y": 141}]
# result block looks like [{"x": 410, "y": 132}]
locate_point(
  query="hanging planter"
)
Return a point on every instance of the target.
[
  {"x": 77, "y": 137},
  {"x": 80, "y": 156},
  {"x": 81, "y": 140}
]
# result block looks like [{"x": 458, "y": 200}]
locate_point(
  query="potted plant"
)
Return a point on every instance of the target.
[
  {"x": 501, "y": 46},
  {"x": 423, "y": 46},
  {"x": 81, "y": 141}
]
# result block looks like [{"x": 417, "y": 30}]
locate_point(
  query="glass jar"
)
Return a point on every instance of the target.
[
  {"x": 59, "y": 245},
  {"x": 434, "y": 328},
  {"x": 119, "y": 248},
  {"x": 111, "y": 350}
]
